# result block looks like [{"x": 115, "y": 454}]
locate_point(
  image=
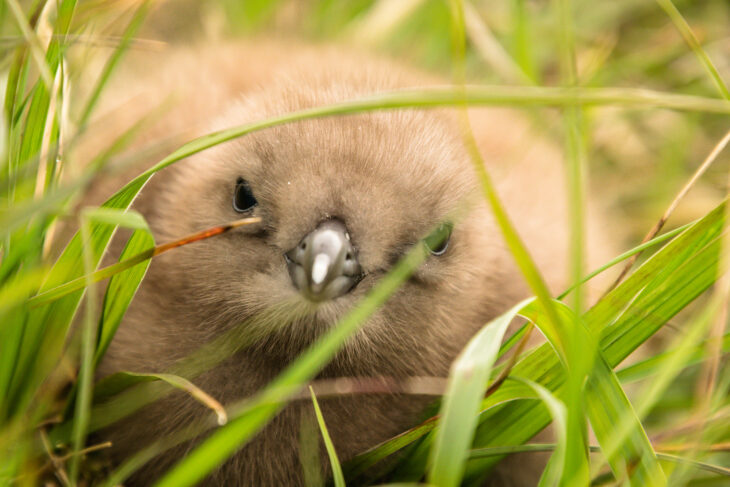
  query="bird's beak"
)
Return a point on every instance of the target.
[{"x": 324, "y": 265}]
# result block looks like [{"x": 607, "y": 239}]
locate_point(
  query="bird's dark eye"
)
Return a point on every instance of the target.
[
  {"x": 243, "y": 198},
  {"x": 438, "y": 241}
]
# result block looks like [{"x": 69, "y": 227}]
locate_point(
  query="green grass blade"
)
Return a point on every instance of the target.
[
  {"x": 499, "y": 451},
  {"x": 121, "y": 289},
  {"x": 607, "y": 406},
  {"x": 467, "y": 385},
  {"x": 631, "y": 457},
  {"x": 32, "y": 39},
  {"x": 509, "y": 391},
  {"x": 84, "y": 384},
  {"x": 134, "y": 24},
  {"x": 683, "y": 27},
  {"x": 119, "y": 381},
  {"x": 629, "y": 253},
  {"x": 558, "y": 461},
  {"x": 337, "y": 476},
  {"x": 652, "y": 365},
  {"x": 632, "y": 320}
]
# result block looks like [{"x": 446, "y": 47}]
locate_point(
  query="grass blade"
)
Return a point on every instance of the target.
[
  {"x": 134, "y": 24},
  {"x": 467, "y": 385},
  {"x": 683, "y": 27},
  {"x": 121, "y": 289},
  {"x": 337, "y": 476}
]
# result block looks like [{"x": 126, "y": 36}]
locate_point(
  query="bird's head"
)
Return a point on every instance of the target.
[{"x": 341, "y": 200}]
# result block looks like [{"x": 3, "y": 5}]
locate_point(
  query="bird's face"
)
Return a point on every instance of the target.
[{"x": 341, "y": 200}]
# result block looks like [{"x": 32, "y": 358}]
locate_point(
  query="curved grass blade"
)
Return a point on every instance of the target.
[
  {"x": 466, "y": 388},
  {"x": 634, "y": 311},
  {"x": 557, "y": 464},
  {"x": 607, "y": 406},
  {"x": 32, "y": 39},
  {"x": 123, "y": 380},
  {"x": 650, "y": 366}
]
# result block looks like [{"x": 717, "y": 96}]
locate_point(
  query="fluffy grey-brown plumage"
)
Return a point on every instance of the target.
[{"x": 387, "y": 177}]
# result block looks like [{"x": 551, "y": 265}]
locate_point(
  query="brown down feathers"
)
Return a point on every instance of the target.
[{"x": 389, "y": 175}]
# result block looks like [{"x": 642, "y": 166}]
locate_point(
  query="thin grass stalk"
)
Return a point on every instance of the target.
[
  {"x": 689, "y": 36},
  {"x": 337, "y": 477},
  {"x": 31, "y": 38},
  {"x": 86, "y": 372},
  {"x": 438, "y": 471},
  {"x": 709, "y": 160},
  {"x": 134, "y": 24},
  {"x": 574, "y": 150},
  {"x": 708, "y": 392}
]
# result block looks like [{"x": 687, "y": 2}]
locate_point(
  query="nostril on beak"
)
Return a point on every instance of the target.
[{"x": 324, "y": 264}]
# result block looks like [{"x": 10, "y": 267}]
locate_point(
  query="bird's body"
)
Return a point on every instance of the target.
[{"x": 387, "y": 177}]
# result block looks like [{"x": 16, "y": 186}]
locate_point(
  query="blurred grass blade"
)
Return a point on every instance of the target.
[
  {"x": 55, "y": 199},
  {"x": 134, "y": 24},
  {"x": 50, "y": 203},
  {"x": 121, "y": 289},
  {"x": 709, "y": 160},
  {"x": 628, "y": 254},
  {"x": 115, "y": 217},
  {"x": 466, "y": 388},
  {"x": 34, "y": 345},
  {"x": 38, "y": 111},
  {"x": 689, "y": 36},
  {"x": 338, "y": 478},
  {"x": 32, "y": 39},
  {"x": 89, "y": 332},
  {"x": 13, "y": 292},
  {"x": 309, "y": 454}
]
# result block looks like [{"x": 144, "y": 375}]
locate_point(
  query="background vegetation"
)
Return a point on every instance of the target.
[{"x": 635, "y": 149}]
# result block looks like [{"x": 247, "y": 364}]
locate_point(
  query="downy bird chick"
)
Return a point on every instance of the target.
[{"x": 341, "y": 199}]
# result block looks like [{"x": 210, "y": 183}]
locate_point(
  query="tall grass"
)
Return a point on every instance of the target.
[{"x": 674, "y": 431}]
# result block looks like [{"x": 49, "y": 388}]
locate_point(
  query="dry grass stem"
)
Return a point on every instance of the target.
[{"x": 659, "y": 224}]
